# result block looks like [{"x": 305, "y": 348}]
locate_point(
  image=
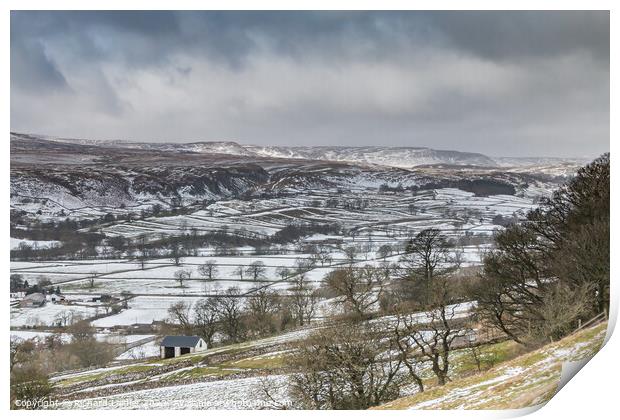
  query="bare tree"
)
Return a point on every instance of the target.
[
  {"x": 182, "y": 275},
  {"x": 435, "y": 334},
  {"x": 427, "y": 257},
  {"x": 17, "y": 282},
  {"x": 206, "y": 318},
  {"x": 85, "y": 346},
  {"x": 64, "y": 318},
  {"x": 351, "y": 253},
  {"x": 262, "y": 308},
  {"x": 179, "y": 314},
  {"x": 386, "y": 269},
  {"x": 230, "y": 312},
  {"x": 283, "y": 272},
  {"x": 424, "y": 255},
  {"x": 126, "y": 296},
  {"x": 358, "y": 290},
  {"x": 20, "y": 351},
  {"x": 303, "y": 300},
  {"x": 323, "y": 255},
  {"x": 562, "y": 306},
  {"x": 366, "y": 249},
  {"x": 91, "y": 279},
  {"x": 474, "y": 351},
  {"x": 239, "y": 271},
  {"x": 208, "y": 270},
  {"x": 407, "y": 354},
  {"x": 344, "y": 368},
  {"x": 303, "y": 265},
  {"x": 256, "y": 270},
  {"x": 176, "y": 252},
  {"x": 143, "y": 251},
  {"x": 385, "y": 251}
]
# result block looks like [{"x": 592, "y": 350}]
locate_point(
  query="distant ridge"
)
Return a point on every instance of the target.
[{"x": 398, "y": 157}]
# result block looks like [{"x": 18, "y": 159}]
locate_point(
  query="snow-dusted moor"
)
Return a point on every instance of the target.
[{"x": 386, "y": 231}]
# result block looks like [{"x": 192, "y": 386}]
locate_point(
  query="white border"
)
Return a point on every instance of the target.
[{"x": 593, "y": 394}]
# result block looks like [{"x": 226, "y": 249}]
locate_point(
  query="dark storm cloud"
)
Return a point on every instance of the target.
[
  {"x": 522, "y": 34},
  {"x": 33, "y": 70},
  {"x": 496, "y": 82}
]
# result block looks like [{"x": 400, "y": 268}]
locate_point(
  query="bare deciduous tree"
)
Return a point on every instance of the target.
[
  {"x": 256, "y": 270},
  {"x": 434, "y": 335},
  {"x": 239, "y": 271},
  {"x": 345, "y": 368},
  {"x": 358, "y": 290},
  {"x": 230, "y": 312},
  {"x": 179, "y": 314},
  {"x": 323, "y": 255},
  {"x": 208, "y": 270},
  {"x": 262, "y": 308},
  {"x": 283, "y": 272},
  {"x": 351, "y": 253},
  {"x": 143, "y": 251},
  {"x": 176, "y": 252},
  {"x": 91, "y": 279},
  {"x": 182, "y": 275},
  {"x": 427, "y": 256},
  {"x": 206, "y": 318},
  {"x": 303, "y": 300},
  {"x": 385, "y": 251}
]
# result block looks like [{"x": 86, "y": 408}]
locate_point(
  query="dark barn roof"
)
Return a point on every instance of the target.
[{"x": 180, "y": 341}]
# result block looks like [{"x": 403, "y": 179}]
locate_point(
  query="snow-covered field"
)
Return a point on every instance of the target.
[
  {"x": 400, "y": 212},
  {"x": 246, "y": 393},
  {"x": 383, "y": 219},
  {"x": 65, "y": 337},
  {"x": 51, "y": 314},
  {"x": 142, "y": 310}
]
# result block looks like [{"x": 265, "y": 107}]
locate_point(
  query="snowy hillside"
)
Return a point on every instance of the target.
[
  {"x": 58, "y": 176},
  {"x": 400, "y": 157}
]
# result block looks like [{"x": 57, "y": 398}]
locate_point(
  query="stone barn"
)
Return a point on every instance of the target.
[{"x": 178, "y": 345}]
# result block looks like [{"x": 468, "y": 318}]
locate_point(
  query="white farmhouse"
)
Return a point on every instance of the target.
[{"x": 55, "y": 298}]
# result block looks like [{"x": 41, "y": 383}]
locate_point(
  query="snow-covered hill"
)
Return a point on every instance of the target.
[
  {"x": 52, "y": 176},
  {"x": 539, "y": 161},
  {"x": 399, "y": 157}
]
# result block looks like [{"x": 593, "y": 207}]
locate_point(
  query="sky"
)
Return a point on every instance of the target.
[{"x": 500, "y": 83}]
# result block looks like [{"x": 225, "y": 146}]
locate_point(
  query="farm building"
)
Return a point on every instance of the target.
[
  {"x": 102, "y": 298},
  {"x": 54, "y": 297},
  {"x": 177, "y": 345},
  {"x": 33, "y": 300}
]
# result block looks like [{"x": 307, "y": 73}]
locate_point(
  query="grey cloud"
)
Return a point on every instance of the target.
[
  {"x": 496, "y": 82},
  {"x": 33, "y": 70},
  {"x": 231, "y": 36},
  {"x": 519, "y": 34}
]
